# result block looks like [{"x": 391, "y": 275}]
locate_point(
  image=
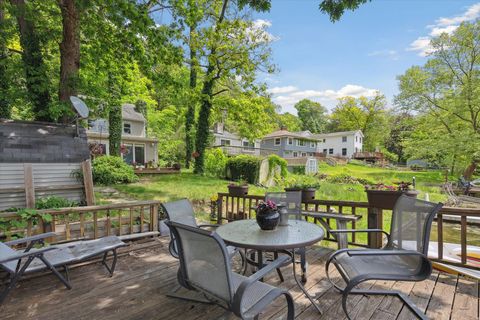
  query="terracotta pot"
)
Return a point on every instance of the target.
[
  {"x": 385, "y": 199},
  {"x": 238, "y": 191},
  {"x": 268, "y": 220}
]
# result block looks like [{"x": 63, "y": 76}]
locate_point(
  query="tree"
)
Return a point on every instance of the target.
[
  {"x": 288, "y": 121},
  {"x": 401, "y": 127},
  {"x": 446, "y": 90},
  {"x": 37, "y": 80},
  {"x": 5, "y": 108},
  {"x": 69, "y": 51},
  {"x": 365, "y": 114},
  {"x": 336, "y": 8},
  {"x": 312, "y": 115},
  {"x": 235, "y": 52}
]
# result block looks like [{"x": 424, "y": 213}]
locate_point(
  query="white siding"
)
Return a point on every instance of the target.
[{"x": 44, "y": 175}]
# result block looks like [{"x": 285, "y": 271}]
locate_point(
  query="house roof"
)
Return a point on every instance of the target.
[
  {"x": 334, "y": 134},
  {"x": 285, "y": 133},
  {"x": 129, "y": 113},
  {"x": 227, "y": 134}
]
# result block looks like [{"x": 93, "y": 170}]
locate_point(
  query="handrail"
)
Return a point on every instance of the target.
[
  {"x": 231, "y": 208},
  {"x": 89, "y": 221}
]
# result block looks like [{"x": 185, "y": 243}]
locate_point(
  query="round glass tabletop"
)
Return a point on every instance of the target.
[{"x": 247, "y": 234}]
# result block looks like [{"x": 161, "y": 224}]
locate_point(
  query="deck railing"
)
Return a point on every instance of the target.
[
  {"x": 88, "y": 222},
  {"x": 231, "y": 208}
]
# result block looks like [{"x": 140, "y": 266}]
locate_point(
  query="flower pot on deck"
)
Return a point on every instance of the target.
[
  {"x": 385, "y": 199},
  {"x": 238, "y": 191}
]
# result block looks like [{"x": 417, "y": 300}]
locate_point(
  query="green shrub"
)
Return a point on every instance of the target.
[
  {"x": 112, "y": 170},
  {"x": 302, "y": 182},
  {"x": 274, "y": 160},
  {"x": 54, "y": 203},
  {"x": 344, "y": 178},
  {"x": 298, "y": 170},
  {"x": 215, "y": 163},
  {"x": 243, "y": 167}
]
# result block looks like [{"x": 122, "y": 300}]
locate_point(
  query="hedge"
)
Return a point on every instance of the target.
[{"x": 243, "y": 167}]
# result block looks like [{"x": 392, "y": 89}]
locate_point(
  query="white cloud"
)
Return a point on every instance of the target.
[
  {"x": 391, "y": 54},
  {"x": 443, "y": 25},
  {"x": 287, "y": 98},
  {"x": 286, "y": 89},
  {"x": 259, "y": 32}
]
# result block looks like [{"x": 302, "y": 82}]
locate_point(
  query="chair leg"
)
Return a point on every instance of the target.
[
  {"x": 279, "y": 272},
  {"x": 303, "y": 264},
  {"x": 327, "y": 267},
  {"x": 110, "y": 269},
  {"x": 55, "y": 272},
  {"x": 14, "y": 279}
]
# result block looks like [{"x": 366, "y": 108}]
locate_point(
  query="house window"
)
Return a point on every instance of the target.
[
  {"x": 127, "y": 128},
  {"x": 301, "y": 143},
  {"x": 247, "y": 145},
  {"x": 356, "y": 138},
  {"x": 295, "y": 154},
  {"x": 360, "y": 139},
  {"x": 344, "y": 151},
  {"x": 127, "y": 153},
  {"x": 224, "y": 142},
  {"x": 344, "y": 139},
  {"x": 139, "y": 156},
  {"x": 312, "y": 144},
  {"x": 290, "y": 141},
  {"x": 330, "y": 151},
  {"x": 324, "y": 140},
  {"x": 325, "y": 151},
  {"x": 304, "y": 154},
  {"x": 277, "y": 141}
]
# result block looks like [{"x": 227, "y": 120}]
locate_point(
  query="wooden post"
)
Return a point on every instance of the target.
[
  {"x": 88, "y": 182},
  {"x": 375, "y": 221},
  {"x": 29, "y": 185},
  {"x": 219, "y": 209},
  {"x": 154, "y": 217}
]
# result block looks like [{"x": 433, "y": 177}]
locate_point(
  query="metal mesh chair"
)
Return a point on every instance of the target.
[
  {"x": 181, "y": 211},
  {"x": 292, "y": 200},
  {"x": 205, "y": 267},
  {"x": 404, "y": 257}
]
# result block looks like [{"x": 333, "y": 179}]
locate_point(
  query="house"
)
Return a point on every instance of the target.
[
  {"x": 291, "y": 144},
  {"x": 340, "y": 144},
  {"x": 136, "y": 146},
  {"x": 233, "y": 144},
  {"x": 305, "y": 144}
]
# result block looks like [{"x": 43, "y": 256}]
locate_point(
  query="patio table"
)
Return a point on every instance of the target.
[{"x": 297, "y": 234}]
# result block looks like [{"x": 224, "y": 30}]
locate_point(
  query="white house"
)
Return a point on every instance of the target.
[
  {"x": 232, "y": 143},
  {"x": 340, "y": 144},
  {"x": 137, "y": 147}
]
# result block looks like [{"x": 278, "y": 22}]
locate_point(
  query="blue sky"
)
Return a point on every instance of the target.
[{"x": 357, "y": 55}]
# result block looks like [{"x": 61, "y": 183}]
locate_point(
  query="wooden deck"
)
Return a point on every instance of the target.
[{"x": 143, "y": 277}]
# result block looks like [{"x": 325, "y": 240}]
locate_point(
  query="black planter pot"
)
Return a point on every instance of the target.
[
  {"x": 308, "y": 194},
  {"x": 238, "y": 191},
  {"x": 268, "y": 220},
  {"x": 385, "y": 199}
]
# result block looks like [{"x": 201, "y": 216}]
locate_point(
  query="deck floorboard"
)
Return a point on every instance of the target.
[{"x": 143, "y": 278}]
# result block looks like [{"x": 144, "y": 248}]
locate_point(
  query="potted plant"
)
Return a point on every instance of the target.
[
  {"x": 268, "y": 216},
  {"x": 308, "y": 189},
  {"x": 382, "y": 196},
  {"x": 239, "y": 189}
]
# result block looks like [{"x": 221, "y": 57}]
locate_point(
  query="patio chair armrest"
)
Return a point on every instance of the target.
[
  {"x": 20, "y": 255},
  {"x": 277, "y": 263},
  {"x": 34, "y": 238},
  {"x": 361, "y": 230},
  {"x": 385, "y": 253},
  {"x": 208, "y": 225}
]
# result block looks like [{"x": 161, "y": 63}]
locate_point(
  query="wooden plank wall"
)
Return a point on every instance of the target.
[{"x": 47, "y": 179}]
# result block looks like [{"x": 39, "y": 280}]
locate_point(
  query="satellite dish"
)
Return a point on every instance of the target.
[{"x": 80, "y": 107}]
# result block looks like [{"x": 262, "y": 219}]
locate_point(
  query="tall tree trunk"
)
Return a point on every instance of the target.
[
  {"x": 190, "y": 115},
  {"x": 467, "y": 174},
  {"x": 203, "y": 125},
  {"x": 5, "y": 108},
  {"x": 36, "y": 77},
  {"x": 115, "y": 129},
  {"x": 69, "y": 52}
]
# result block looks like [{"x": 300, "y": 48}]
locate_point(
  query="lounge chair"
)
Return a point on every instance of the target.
[
  {"x": 19, "y": 262},
  {"x": 404, "y": 257},
  {"x": 205, "y": 267}
]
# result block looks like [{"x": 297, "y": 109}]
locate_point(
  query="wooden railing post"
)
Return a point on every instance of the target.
[
  {"x": 219, "y": 208},
  {"x": 88, "y": 182},
  {"x": 29, "y": 185},
  {"x": 154, "y": 217},
  {"x": 375, "y": 221}
]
